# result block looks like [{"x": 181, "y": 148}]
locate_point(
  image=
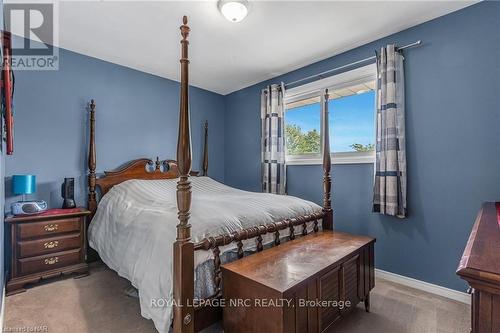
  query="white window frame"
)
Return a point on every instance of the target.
[{"x": 316, "y": 89}]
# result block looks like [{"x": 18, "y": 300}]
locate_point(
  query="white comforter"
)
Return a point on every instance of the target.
[{"x": 135, "y": 227}]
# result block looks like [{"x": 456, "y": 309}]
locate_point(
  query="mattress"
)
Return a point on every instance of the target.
[{"x": 134, "y": 229}]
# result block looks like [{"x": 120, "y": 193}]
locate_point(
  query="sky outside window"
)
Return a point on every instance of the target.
[{"x": 351, "y": 122}]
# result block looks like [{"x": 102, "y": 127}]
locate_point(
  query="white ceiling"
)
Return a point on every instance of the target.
[{"x": 275, "y": 38}]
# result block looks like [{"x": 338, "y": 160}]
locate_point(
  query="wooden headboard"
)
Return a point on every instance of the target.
[{"x": 143, "y": 168}]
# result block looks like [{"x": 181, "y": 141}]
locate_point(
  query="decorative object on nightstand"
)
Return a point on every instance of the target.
[
  {"x": 46, "y": 245},
  {"x": 22, "y": 185},
  {"x": 68, "y": 193}
]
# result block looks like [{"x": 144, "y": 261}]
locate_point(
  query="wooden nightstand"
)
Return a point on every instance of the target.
[{"x": 45, "y": 246}]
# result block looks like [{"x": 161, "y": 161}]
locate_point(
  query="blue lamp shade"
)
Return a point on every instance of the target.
[{"x": 23, "y": 184}]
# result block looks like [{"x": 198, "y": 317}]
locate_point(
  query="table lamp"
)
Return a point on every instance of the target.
[{"x": 23, "y": 185}]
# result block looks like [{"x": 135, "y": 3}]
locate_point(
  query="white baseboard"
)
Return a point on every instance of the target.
[{"x": 424, "y": 286}]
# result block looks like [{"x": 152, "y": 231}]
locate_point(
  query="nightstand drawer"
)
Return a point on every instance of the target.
[
  {"x": 48, "y": 245},
  {"x": 48, "y": 262},
  {"x": 47, "y": 228}
]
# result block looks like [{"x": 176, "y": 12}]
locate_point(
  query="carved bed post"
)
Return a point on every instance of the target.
[
  {"x": 327, "y": 164},
  {"x": 183, "y": 247},
  {"x": 92, "y": 203},
  {"x": 205, "y": 151}
]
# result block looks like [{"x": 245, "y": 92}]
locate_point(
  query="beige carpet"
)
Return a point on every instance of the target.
[{"x": 97, "y": 304}]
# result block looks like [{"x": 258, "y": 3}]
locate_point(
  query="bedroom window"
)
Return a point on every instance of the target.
[{"x": 352, "y": 125}]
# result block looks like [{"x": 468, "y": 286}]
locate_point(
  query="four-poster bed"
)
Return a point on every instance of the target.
[{"x": 270, "y": 227}]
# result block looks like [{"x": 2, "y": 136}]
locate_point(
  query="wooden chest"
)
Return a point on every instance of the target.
[
  {"x": 45, "y": 246},
  {"x": 304, "y": 285},
  {"x": 480, "y": 267}
]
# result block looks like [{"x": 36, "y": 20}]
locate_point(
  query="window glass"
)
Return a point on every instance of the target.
[
  {"x": 352, "y": 127},
  {"x": 302, "y": 127},
  {"x": 351, "y": 108}
]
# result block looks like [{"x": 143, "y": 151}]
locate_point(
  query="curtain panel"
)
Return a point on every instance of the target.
[
  {"x": 389, "y": 195},
  {"x": 273, "y": 139}
]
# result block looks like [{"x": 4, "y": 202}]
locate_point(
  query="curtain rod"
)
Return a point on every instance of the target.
[{"x": 325, "y": 73}]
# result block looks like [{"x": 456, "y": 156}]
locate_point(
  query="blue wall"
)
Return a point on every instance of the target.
[
  {"x": 136, "y": 116},
  {"x": 453, "y": 140}
]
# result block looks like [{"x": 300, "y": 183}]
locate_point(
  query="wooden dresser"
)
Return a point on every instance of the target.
[
  {"x": 45, "y": 246},
  {"x": 480, "y": 267},
  {"x": 299, "y": 286}
]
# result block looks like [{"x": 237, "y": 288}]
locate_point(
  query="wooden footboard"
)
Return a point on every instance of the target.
[
  {"x": 213, "y": 243},
  {"x": 205, "y": 310},
  {"x": 188, "y": 318}
]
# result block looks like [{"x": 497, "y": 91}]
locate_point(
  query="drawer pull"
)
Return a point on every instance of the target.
[
  {"x": 51, "y": 261},
  {"x": 51, "y": 245},
  {"x": 51, "y": 227}
]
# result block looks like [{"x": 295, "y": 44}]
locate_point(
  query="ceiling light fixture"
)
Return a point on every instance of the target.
[{"x": 233, "y": 10}]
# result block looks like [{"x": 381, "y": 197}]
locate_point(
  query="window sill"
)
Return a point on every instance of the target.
[{"x": 338, "y": 158}]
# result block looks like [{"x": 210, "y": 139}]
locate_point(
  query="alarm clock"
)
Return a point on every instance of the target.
[{"x": 28, "y": 207}]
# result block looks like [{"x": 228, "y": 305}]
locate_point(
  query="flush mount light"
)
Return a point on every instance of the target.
[{"x": 233, "y": 10}]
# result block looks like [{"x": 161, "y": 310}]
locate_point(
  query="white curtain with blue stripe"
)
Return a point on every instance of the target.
[{"x": 273, "y": 139}]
